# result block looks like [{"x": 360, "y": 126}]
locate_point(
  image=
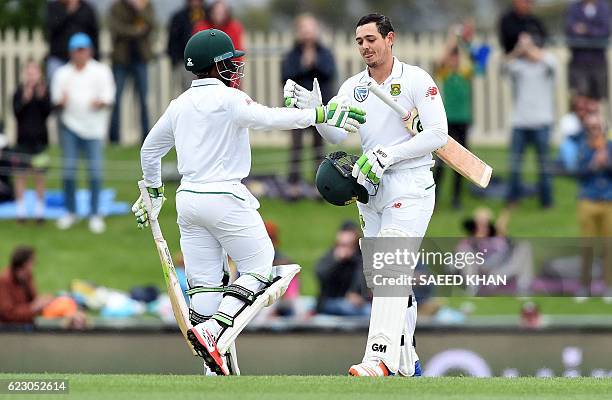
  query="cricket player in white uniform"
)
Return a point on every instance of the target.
[
  {"x": 401, "y": 165},
  {"x": 217, "y": 215}
]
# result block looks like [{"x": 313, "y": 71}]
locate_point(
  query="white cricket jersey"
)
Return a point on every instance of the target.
[
  {"x": 208, "y": 124},
  {"x": 411, "y": 87}
]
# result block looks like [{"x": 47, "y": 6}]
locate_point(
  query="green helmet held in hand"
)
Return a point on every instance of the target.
[
  {"x": 213, "y": 47},
  {"x": 335, "y": 182}
]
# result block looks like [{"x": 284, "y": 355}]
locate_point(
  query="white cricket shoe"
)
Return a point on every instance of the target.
[
  {"x": 369, "y": 368},
  {"x": 96, "y": 224},
  {"x": 205, "y": 345},
  {"x": 66, "y": 221}
]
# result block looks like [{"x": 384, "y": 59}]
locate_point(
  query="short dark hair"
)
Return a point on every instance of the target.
[
  {"x": 20, "y": 256},
  {"x": 383, "y": 23}
]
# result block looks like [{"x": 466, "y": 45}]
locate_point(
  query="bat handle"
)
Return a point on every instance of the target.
[{"x": 155, "y": 229}]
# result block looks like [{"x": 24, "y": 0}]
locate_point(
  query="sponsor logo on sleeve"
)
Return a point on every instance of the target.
[{"x": 432, "y": 92}]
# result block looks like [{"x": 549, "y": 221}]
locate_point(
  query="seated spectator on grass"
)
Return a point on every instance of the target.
[
  {"x": 595, "y": 198},
  {"x": 502, "y": 256},
  {"x": 19, "y": 301},
  {"x": 32, "y": 106},
  {"x": 343, "y": 289}
]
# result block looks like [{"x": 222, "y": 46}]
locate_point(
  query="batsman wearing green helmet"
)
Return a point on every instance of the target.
[{"x": 217, "y": 215}]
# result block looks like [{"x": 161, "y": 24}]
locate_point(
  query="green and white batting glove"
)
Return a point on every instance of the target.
[
  {"x": 300, "y": 97},
  {"x": 339, "y": 113},
  {"x": 140, "y": 208},
  {"x": 372, "y": 165}
]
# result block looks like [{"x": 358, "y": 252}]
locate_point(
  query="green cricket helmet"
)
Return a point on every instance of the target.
[
  {"x": 335, "y": 182},
  {"x": 213, "y": 47}
]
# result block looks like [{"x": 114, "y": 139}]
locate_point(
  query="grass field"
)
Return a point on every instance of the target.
[
  {"x": 152, "y": 387},
  {"x": 124, "y": 257}
]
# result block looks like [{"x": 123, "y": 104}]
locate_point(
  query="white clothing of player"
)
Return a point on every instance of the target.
[
  {"x": 208, "y": 124},
  {"x": 405, "y": 200}
]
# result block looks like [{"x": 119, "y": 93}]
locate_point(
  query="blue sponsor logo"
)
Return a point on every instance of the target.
[{"x": 361, "y": 93}]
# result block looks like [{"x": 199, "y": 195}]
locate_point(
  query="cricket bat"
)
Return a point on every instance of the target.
[
  {"x": 452, "y": 153},
  {"x": 175, "y": 293}
]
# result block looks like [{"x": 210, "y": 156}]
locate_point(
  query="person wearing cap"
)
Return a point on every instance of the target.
[
  {"x": 83, "y": 92},
  {"x": 209, "y": 127}
]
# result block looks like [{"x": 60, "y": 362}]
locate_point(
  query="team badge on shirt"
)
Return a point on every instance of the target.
[
  {"x": 361, "y": 93},
  {"x": 396, "y": 89}
]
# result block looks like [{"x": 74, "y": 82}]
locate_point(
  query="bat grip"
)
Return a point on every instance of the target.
[{"x": 155, "y": 229}]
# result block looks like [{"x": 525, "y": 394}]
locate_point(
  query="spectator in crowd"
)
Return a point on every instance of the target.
[
  {"x": 343, "y": 289},
  {"x": 520, "y": 19},
  {"x": 571, "y": 127},
  {"x": 531, "y": 70},
  {"x": 587, "y": 26},
  {"x": 219, "y": 16},
  {"x": 131, "y": 23},
  {"x": 307, "y": 60},
  {"x": 184, "y": 23},
  {"x": 595, "y": 198},
  {"x": 454, "y": 73},
  {"x": 32, "y": 106},
  {"x": 19, "y": 301},
  {"x": 64, "y": 19},
  {"x": 83, "y": 91}
]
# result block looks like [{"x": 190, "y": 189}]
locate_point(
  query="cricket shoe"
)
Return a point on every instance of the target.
[
  {"x": 417, "y": 369},
  {"x": 205, "y": 345},
  {"x": 370, "y": 368}
]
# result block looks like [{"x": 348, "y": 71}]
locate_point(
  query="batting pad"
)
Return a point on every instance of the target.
[
  {"x": 282, "y": 276},
  {"x": 386, "y": 328}
]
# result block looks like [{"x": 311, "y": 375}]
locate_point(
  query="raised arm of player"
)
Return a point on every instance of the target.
[
  {"x": 337, "y": 113},
  {"x": 428, "y": 101},
  {"x": 158, "y": 142},
  {"x": 330, "y": 133}
]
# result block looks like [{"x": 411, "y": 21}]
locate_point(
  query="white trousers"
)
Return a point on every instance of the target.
[
  {"x": 405, "y": 202},
  {"x": 217, "y": 217}
]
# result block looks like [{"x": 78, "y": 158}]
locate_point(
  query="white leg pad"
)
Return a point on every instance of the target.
[
  {"x": 408, "y": 355},
  {"x": 268, "y": 297},
  {"x": 386, "y": 327}
]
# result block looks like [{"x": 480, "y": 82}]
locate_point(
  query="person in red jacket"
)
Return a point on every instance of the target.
[
  {"x": 19, "y": 302},
  {"x": 219, "y": 16}
]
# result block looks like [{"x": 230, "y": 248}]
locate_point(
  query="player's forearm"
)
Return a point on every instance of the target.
[
  {"x": 420, "y": 145},
  {"x": 331, "y": 134},
  {"x": 259, "y": 117}
]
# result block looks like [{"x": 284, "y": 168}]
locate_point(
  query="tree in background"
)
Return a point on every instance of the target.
[{"x": 22, "y": 14}]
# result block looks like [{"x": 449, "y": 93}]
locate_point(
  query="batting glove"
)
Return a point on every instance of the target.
[
  {"x": 372, "y": 165},
  {"x": 140, "y": 209},
  {"x": 339, "y": 113},
  {"x": 300, "y": 97}
]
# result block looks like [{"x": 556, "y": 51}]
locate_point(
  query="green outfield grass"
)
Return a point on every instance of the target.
[
  {"x": 325, "y": 387},
  {"x": 124, "y": 256}
]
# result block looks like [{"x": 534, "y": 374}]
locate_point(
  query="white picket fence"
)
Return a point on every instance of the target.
[{"x": 263, "y": 77}]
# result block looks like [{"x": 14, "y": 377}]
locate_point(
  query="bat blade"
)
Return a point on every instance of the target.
[{"x": 452, "y": 153}]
